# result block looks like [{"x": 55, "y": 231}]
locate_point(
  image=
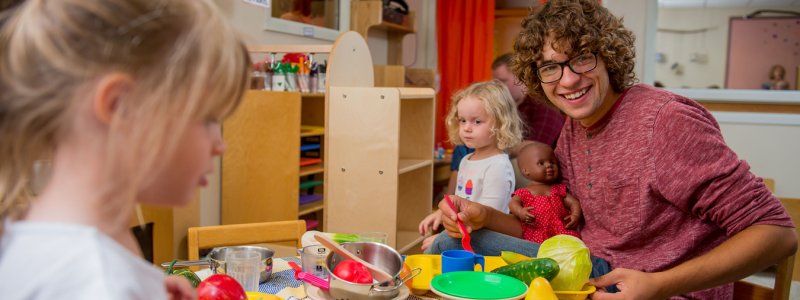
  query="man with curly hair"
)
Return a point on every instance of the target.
[{"x": 666, "y": 202}]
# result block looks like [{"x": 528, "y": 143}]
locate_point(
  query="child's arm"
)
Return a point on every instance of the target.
[
  {"x": 431, "y": 222},
  {"x": 516, "y": 208},
  {"x": 575, "y": 211}
]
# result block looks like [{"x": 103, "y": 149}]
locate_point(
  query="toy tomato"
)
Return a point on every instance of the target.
[
  {"x": 220, "y": 287},
  {"x": 352, "y": 271}
]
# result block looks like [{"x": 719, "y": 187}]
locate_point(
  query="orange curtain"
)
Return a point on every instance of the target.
[{"x": 464, "y": 38}]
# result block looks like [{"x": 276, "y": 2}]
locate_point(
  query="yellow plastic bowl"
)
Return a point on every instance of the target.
[
  {"x": 576, "y": 295},
  {"x": 261, "y": 296}
]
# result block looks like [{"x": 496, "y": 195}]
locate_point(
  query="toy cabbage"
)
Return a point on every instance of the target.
[{"x": 573, "y": 260}]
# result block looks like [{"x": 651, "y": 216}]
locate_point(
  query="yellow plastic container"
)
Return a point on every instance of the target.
[
  {"x": 261, "y": 296},
  {"x": 576, "y": 295},
  {"x": 431, "y": 265}
]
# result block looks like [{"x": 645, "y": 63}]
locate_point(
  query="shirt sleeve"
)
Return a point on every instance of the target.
[
  {"x": 698, "y": 173},
  {"x": 497, "y": 186}
]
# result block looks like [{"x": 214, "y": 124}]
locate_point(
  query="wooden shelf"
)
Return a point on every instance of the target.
[
  {"x": 367, "y": 15},
  {"x": 312, "y": 95},
  {"x": 392, "y": 27},
  {"x": 290, "y": 48},
  {"x": 310, "y": 130},
  {"x": 311, "y": 208},
  {"x": 408, "y": 165},
  {"x": 378, "y": 142},
  {"x": 260, "y": 166},
  {"x": 311, "y": 170},
  {"x": 415, "y": 93}
]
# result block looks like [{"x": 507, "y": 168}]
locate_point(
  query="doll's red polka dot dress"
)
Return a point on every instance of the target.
[{"x": 549, "y": 211}]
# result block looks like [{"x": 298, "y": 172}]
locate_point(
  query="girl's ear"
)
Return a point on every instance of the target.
[{"x": 110, "y": 90}]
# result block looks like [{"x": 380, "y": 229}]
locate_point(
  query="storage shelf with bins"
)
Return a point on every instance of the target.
[
  {"x": 379, "y": 142},
  {"x": 263, "y": 167}
]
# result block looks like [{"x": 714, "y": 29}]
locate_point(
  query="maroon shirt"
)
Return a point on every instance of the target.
[
  {"x": 543, "y": 123},
  {"x": 659, "y": 186}
]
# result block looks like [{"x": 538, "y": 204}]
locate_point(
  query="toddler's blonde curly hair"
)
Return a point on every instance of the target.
[{"x": 499, "y": 106}]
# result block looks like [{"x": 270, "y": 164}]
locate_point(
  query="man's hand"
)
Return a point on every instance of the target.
[
  {"x": 178, "y": 288},
  {"x": 632, "y": 285},
  {"x": 474, "y": 215}
]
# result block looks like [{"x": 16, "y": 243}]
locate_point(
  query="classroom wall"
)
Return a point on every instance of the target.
[
  {"x": 681, "y": 47},
  {"x": 769, "y": 143},
  {"x": 635, "y": 15}
]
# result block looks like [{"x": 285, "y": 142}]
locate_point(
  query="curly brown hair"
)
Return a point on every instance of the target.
[{"x": 576, "y": 26}]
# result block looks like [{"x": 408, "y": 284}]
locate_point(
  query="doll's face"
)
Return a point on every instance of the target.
[{"x": 538, "y": 163}]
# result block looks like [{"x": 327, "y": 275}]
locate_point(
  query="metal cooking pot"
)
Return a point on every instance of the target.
[
  {"x": 380, "y": 255},
  {"x": 215, "y": 260}
]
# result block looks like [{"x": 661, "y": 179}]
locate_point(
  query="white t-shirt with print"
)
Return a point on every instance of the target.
[
  {"x": 489, "y": 181},
  {"x": 71, "y": 261}
]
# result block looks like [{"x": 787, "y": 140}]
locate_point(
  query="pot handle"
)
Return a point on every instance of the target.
[
  {"x": 189, "y": 263},
  {"x": 411, "y": 274}
]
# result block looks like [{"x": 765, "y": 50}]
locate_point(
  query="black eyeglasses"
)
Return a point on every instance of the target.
[{"x": 580, "y": 64}]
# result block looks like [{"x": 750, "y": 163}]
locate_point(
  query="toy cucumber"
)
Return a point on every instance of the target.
[{"x": 528, "y": 270}]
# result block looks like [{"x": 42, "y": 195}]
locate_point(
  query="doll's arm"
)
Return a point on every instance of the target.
[
  {"x": 574, "y": 207},
  {"x": 521, "y": 212}
]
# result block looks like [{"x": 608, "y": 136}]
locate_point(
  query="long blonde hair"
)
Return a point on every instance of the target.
[
  {"x": 498, "y": 104},
  {"x": 185, "y": 60}
]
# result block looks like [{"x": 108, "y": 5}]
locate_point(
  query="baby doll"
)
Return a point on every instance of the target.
[{"x": 542, "y": 206}]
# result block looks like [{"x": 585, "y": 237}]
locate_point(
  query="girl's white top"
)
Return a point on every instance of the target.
[
  {"x": 488, "y": 181},
  {"x": 70, "y": 261}
]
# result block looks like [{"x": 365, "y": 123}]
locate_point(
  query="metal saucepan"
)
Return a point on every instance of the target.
[
  {"x": 380, "y": 255},
  {"x": 215, "y": 260}
]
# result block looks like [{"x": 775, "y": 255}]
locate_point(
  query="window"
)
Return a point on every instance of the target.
[{"x": 323, "y": 19}]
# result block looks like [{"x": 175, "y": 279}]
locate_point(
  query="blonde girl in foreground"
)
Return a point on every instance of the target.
[
  {"x": 125, "y": 98},
  {"x": 483, "y": 117}
]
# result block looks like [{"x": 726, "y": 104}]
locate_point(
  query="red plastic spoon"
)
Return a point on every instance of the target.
[{"x": 465, "y": 239}]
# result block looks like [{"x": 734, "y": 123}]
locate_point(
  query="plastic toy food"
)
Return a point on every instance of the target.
[
  {"x": 573, "y": 259},
  {"x": 352, "y": 271},
  {"x": 527, "y": 270},
  {"x": 540, "y": 289},
  {"x": 220, "y": 287},
  {"x": 512, "y": 257},
  {"x": 185, "y": 273}
]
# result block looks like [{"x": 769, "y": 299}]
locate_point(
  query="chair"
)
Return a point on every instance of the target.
[
  {"x": 244, "y": 234},
  {"x": 743, "y": 290}
]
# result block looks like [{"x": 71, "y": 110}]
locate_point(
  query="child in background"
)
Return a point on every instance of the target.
[
  {"x": 483, "y": 117},
  {"x": 125, "y": 98},
  {"x": 540, "y": 206}
]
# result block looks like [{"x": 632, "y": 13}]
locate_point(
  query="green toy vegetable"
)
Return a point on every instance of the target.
[
  {"x": 528, "y": 270},
  {"x": 185, "y": 273},
  {"x": 573, "y": 259}
]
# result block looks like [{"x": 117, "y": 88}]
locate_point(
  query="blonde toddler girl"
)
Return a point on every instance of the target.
[{"x": 485, "y": 118}]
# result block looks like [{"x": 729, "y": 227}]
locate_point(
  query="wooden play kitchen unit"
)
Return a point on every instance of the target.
[{"x": 379, "y": 145}]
